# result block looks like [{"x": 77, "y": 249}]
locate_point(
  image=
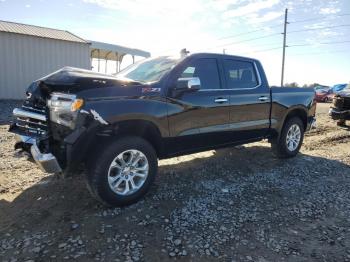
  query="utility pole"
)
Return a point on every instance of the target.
[{"x": 284, "y": 44}]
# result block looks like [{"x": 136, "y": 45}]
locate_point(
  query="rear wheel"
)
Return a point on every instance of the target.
[
  {"x": 290, "y": 140},
  {"x": 123, "y": 172}
]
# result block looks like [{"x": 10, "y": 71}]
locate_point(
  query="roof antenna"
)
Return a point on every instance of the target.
[{"x": 184, "y": 52}]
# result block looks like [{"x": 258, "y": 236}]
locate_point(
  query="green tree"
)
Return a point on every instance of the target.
[{"x": 293, "y": 84}]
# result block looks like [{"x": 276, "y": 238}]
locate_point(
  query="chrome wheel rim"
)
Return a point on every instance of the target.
[
  {"x": 128, "y": 172},
  {"x": 293, "y": 137}
]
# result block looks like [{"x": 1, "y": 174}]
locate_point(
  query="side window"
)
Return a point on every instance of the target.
[
  {"x": 206, "y": 69},
  {"x": 240, "y": 74}
]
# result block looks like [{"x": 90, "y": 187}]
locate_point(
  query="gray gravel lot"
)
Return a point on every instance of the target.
[{"x": 235, "y": 204}]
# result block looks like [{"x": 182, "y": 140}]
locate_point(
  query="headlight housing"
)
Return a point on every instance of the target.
[{"x": 64, "y": 108}]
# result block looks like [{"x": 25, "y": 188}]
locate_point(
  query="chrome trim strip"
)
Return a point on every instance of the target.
[
  {"x": 263, "y": 98},
  {"x": 35, "y": 109},
  {"x": 31, "y": 122},
  {"x": 220, "y": 100},
  {"x": 31, "y": 129},
  {"x": 23, "y": 113}
]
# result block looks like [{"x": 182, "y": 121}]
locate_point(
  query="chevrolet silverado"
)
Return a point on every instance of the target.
[{"x": 119, "y": 126}]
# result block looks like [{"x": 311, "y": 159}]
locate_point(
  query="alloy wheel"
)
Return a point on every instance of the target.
[
  {"x": 293, "y": 137},
  {"x": 128, "y": 172}
]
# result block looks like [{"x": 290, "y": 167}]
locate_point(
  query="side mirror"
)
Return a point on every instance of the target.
[{"x": 188, "y": 84}]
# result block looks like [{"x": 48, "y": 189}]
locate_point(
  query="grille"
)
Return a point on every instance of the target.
[
  {"x": 346, "y": 102},
  {"x": 341, "y": 102},
  {"x": 338, "y": 102},
  {"x": 31, "y": 121}
]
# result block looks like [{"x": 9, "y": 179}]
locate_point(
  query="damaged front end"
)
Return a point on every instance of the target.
[
  {"x": 49, "y": 125},
  {"x": 340, "y": 109},
  {"x": 31, "y": 129},
  {"x": 40, "y": 129}
]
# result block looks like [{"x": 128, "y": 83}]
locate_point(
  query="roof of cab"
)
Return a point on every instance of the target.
[{"x": 201, "y": 55}]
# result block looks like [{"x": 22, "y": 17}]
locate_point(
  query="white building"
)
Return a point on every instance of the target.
[{"x": 29, "y": 52}]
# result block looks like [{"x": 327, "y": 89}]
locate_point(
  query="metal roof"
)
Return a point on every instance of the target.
[
  {"x": 113, "y": 52},
  {"x": 38, "y": 31}
]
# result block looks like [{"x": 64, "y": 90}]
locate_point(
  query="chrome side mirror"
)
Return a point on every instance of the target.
[{"x": 188, "y": 84}]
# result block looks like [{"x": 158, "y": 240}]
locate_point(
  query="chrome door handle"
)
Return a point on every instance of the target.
[
  {"x": 220, "y": 100},
  {"x": 263, "y": 98}
]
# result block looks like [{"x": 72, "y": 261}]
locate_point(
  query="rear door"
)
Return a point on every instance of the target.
[{"x": 249, "y": 99}]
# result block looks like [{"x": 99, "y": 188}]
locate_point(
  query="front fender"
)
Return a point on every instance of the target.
[
  {"x": 98, "y": 117},
  {"x": 110, "y": 112}
]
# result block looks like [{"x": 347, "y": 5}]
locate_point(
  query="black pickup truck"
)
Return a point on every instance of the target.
[
  {"x": 340, "y": 110},
  {"x": 119, "y": 126}
]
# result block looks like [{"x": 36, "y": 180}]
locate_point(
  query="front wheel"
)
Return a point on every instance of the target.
[
  {"x": 290, "y": 140},
  {"x": 123, "y": 172}
]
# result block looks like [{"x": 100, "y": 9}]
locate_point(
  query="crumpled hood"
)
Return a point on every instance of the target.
[{"x": 84, "y": 82}]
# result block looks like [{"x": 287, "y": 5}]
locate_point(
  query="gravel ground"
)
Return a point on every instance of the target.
[{"x": 235, "y": 204}]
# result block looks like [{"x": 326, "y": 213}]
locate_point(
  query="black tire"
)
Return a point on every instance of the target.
[
  {"x": 279, "y": 145},
  {"x": 97, "y": 175}
]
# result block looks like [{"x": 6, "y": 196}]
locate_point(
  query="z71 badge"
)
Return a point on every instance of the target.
[{"x": 150, "y": 90}]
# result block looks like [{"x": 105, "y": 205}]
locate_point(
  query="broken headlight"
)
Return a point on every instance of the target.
[{"x": 64, "y": 108}]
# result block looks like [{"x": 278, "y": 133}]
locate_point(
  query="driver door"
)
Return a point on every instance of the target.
[{"x": 199, "y": 119}]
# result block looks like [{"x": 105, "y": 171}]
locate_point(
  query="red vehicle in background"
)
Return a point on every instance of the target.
[{"x": 324, "y": 95}]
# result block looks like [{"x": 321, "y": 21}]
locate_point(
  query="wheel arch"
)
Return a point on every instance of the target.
[
  {"x": 135, "y": 127},
  {"x": 297, "y": 112}
]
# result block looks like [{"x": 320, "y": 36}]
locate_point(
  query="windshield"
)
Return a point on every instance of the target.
[{"x": 149, "y": 70}]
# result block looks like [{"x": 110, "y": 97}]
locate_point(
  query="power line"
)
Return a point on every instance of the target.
[
  {"x": 312, "y": 29},
  {"x": 274, "y": 34},
  {"x": 296, "y": 45},
  {"x": 274, "y": 26},
  {"x": 246, "y": 33},
  {"x": 324, "y": 53},
  {"x": 318, "y": 18},
  {"x": 325, "y": 43},
  {"x": 264, "y": 50},
  {"x": 246, "y": 40}
]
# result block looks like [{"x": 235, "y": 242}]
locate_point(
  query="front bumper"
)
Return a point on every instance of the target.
[
  {"x": 339, "y": 114},
  {"x": 46, "y": 161}
]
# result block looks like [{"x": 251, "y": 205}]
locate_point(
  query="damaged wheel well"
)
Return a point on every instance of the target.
[{"x": 141, "y": 128}]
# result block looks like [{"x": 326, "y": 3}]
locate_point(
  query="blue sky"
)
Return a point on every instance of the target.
[{"x": 321, "y": 51}]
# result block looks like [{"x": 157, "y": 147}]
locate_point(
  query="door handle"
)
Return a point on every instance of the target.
[
  {"x": 263, "y": 98},
  {"x": 220, "y": 100}
]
